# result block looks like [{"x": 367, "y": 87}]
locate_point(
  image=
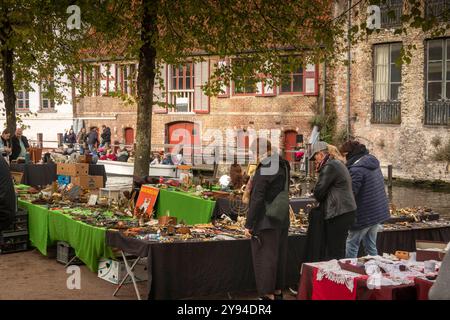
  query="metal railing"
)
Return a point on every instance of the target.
[
  {"x": 438, "y": 8},
  {"x": 437, "y": 113},
  {"x": 391, "y": 14},
  {"x": 386, "y": 112},
  {"x": 176, "y": 94}
]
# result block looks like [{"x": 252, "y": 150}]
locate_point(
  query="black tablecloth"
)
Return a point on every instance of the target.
[
  {"x": 194, "y": 269},
  {"x": 236, "y": 207},
  {"x": 44, "y": 174}
]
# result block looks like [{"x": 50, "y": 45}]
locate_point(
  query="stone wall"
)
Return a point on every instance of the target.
[{"x": 406, "y": 146}]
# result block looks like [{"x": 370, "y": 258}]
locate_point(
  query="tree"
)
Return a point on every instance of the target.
[
  {"x": 272, "y": 37},
  {"x": 170, "y": 31},
  {"x": 35, "y": 45}
]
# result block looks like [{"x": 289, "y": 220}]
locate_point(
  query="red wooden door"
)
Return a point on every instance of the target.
[
  {"x": 129, "y": 136},
  {"x": 290, "y": 138},
  {"x": 186, "y": 134}
]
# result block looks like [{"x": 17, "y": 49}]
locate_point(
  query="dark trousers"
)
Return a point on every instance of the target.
[
  {"x": 336, "y": 232},
  {"x": 269, "y": 252}
]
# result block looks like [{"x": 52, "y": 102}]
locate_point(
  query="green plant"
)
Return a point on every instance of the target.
[
  {"x": 436, "y": 141},
  {"x": 443, "y": 153}
]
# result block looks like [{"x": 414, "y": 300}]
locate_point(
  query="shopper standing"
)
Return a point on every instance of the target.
[
  {"x": 5, "y": 144},
  {"x": 106, "y": 136},
  {"x": 19, "y": 145},
  {"x": 269, "y": 236},
  {"x": 334, "y": 193},
  {"x": 92, "y": 140},
  {"x": 370, "y": 195},
  {"x": 82, "y": 139}
]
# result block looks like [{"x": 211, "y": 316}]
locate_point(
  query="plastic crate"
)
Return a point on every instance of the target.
[
  {"x": 14, "y": 241},
  {"x": 65, "y": 253},
  {"x": 63, "y": 180}
]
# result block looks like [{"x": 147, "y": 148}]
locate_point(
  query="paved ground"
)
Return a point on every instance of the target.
[{"x": 30, "y": 275}]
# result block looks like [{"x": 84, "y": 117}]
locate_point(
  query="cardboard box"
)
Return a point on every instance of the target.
[
  {"x": 423, "y": 252},
  {"x": 88, "y": 182},
  {"x": 72, "y": 169},
  {"x": 114, "y": 270},
  {"x": 87, "y": 158}
]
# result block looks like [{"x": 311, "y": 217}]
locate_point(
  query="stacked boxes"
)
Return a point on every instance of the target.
[
  {"x": 78, "y": 174},
  {"x": 16, "y": 239}
]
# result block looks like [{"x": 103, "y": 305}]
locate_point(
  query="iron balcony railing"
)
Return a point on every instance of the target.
[
  {"x": 438, "y": 8},
  {"x": 388, "y": 112},
  {"x": 391, "y": 13},
  {"x": 437, "y": 113}
]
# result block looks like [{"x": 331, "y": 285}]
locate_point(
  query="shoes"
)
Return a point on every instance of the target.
[{"x": 264, "y": 298}]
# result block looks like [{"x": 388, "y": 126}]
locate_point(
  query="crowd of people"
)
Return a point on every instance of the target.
[{"x": 352, "y": 205}]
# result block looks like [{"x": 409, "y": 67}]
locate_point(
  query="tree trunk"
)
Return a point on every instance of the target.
[
  {"x": 145, "y": 84},
  {"x": 9, "y": 96}
]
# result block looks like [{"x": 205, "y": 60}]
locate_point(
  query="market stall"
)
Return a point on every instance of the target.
[
  {"x": 184, "y": 260},
  {"x": 184, "y": 206},
  {"x": 45, "y": 174}
]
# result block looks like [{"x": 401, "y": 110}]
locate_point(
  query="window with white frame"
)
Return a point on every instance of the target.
[
  {"x": 47, "y": 103},
  {"x": 387, "y": 75},
  {"x": 23, "y": 100},
  {"x": 438, "y": 70}
]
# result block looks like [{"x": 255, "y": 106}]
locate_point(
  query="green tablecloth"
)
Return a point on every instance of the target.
[
  {"x": 37, "y": 225},
  {"x": 186, "y": 207},
  {"x": 46, "y": 227}
]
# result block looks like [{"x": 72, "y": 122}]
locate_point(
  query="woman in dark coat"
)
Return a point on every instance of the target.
[
  {"x": 370, "y": 195},
  {"x": 334, "y": 193},
  {"x": 269, "y": 237}
]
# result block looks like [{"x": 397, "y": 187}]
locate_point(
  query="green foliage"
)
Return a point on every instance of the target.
[
  {"x": 436, "y": 141},
  {"x": 443, "y": 153}
]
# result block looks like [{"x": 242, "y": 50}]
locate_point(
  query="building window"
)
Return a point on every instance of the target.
[
  {"x": 243, "y": 85},
  {"x": 387, "y": 84},
  {"x": 437, "y": 110},
  {"x": 23, "y": 100},
  {"x": 182, "y": 77},
  {"x": 391, "y": 13},
  {"x": 293, "y": 82},
  {"x": 47, "y": 103},
  {"x": 439, "y": 9}
]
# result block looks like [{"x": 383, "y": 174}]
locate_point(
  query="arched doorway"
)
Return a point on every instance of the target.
[
  {"x": 290, "y": 141},
  {"x": 129, "y": 136},
  {"x": 184, "y": 133}
]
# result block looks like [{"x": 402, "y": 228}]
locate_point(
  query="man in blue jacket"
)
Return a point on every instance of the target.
[{"x": 370, "y": 195}]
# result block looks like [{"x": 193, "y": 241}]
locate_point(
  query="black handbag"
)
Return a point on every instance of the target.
[{"x": 278, "y": 209}]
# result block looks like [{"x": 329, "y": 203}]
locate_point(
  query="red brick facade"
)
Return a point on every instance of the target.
[{"x": 284, "y": 112}]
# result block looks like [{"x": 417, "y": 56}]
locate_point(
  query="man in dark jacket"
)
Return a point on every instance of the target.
[
  {"x": 269, "y": 237},
  {"x": 371, "y": 200},
  {"x": 7, "y": 197},
  {"x": 19, "y": 145},
  {"x": 106, "y": 136},
  {"x": 92, "y": 139},
  {"x": 333, "y": 191}
]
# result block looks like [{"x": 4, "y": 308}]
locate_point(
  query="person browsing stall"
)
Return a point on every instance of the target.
[
  {"x": 334, "y": 193},
  {"x": 371, "y": 200},
  {"x": 269, "y": 235}
]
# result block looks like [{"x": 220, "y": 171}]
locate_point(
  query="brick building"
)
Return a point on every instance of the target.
[
  {"x": 398, "y": 112},
  {"x": 287, "y": 108}
]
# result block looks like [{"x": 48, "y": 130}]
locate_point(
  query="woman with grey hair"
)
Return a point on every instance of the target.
[{"x": 334, "y": 193}]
